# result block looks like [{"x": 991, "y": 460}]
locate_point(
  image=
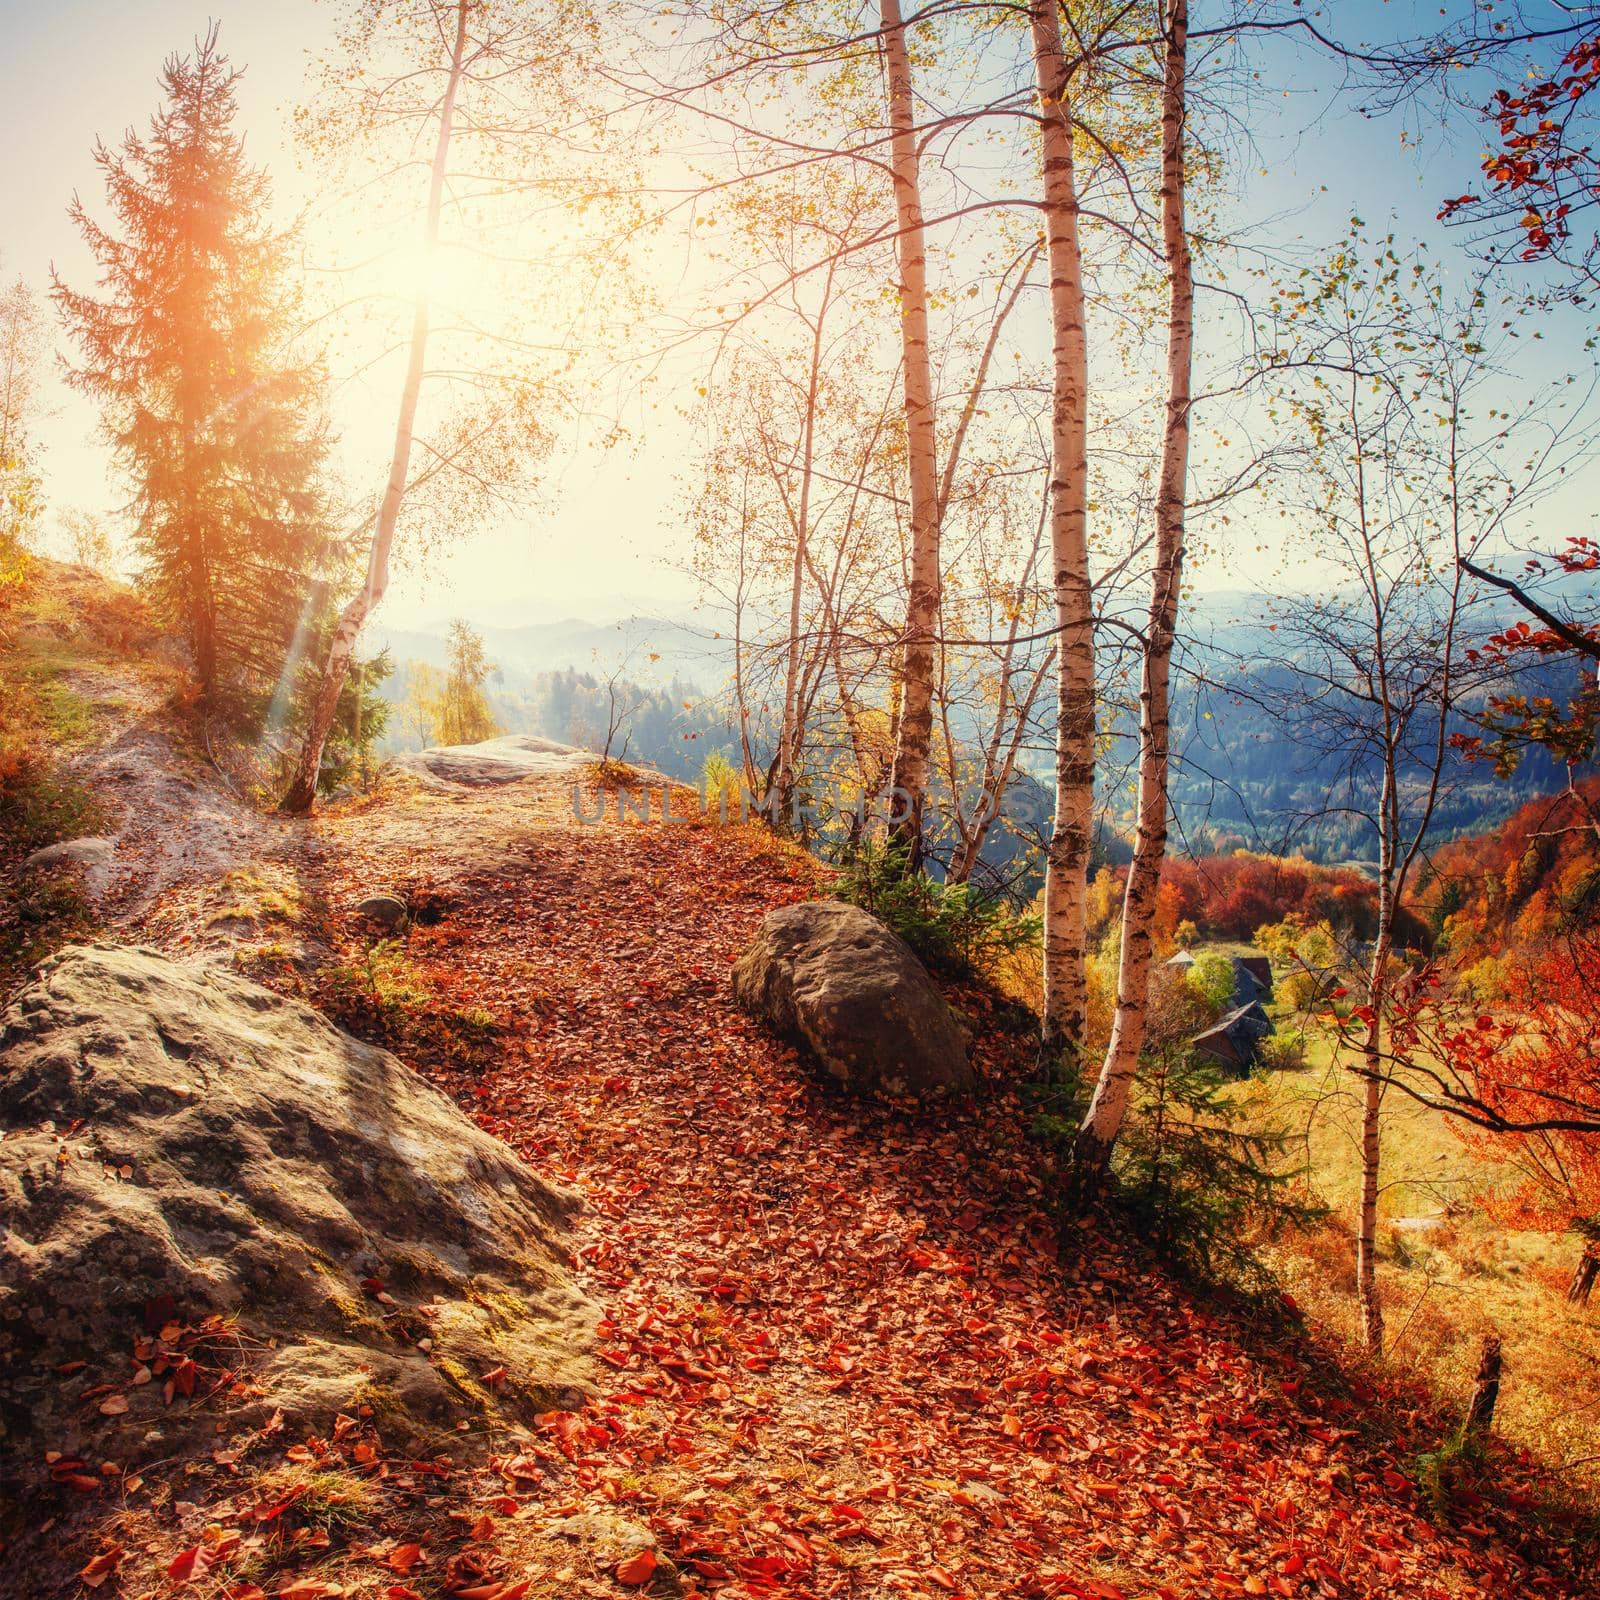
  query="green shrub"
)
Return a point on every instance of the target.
[
  {"x": 1059, "y": 1099},
  {"x": 1201, "y": 1184},
  {"x": 360, "y": 722},
  {"x": 386, "y": 996},
  {"x": 719, "y": 778},
  {"x": 1212, "y": 978},
  {"x": 949, "y": 925},
  {"x": 1456, "y": 1465},
  {"x": 1282, "y": 1051}
]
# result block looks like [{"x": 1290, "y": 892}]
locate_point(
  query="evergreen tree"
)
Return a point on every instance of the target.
[
  {"x": 362, "y": 722},
  {"x": 186, "y": 347}
]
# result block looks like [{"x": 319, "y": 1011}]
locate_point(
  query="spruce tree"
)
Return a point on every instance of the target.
[{"x": 187, "y": 348}]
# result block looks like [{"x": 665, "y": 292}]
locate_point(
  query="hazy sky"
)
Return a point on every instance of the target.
[{"x": 605, "y": 539}]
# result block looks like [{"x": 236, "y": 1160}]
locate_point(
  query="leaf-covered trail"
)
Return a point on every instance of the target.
[{"x": 839, "y": 1355}]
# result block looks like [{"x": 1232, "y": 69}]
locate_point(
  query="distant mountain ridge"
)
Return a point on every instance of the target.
[
  {"x": 651, "y": 649},
  {"x": 1238, "y": 779}
]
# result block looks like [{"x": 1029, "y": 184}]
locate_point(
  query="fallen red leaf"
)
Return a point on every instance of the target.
[
  {"x": 403, "y": 1557},
  {"x": 637, "y": 1569},
  {"x": 186, "y": 1566},
  {"x": 101, "y": 1568}
]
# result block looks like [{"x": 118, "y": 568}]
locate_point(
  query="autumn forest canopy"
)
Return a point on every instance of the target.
[{"x": 1086, "y": 520}]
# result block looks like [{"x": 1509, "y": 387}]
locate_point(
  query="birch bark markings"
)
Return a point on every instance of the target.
[
  {"x": 302, "y": 792},
  {"x": 915, "y": 725},
  {"x": 1109, "y": 1105},
  {"x": 1066, "y": 873}
]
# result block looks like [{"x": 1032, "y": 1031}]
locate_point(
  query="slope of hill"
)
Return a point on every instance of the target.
[
  {"x": 848, "y": 1352},
  {"x": 1241, "y": 777},
  {"x": 99, "y": 761},
  {"x": 1521, "y": 883}
]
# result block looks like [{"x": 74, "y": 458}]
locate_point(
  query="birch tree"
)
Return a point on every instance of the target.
[
  {"x": 302, "y": 790},
  {"x": 1418, "y": 457},
  {"x": 1066, "y": 875},
  {"x": 1109, "y": 1103},
  {"x": 911, "y": 763},
  {"x": 478, "y": 85}
]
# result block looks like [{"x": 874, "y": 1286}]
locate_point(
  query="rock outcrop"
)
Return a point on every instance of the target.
[
  {"x": 215, "y": 1205},
  {"x": 833, "y": 977},
  {"x": 76, "y": 852},
  {"x": 508, "y": 759}
]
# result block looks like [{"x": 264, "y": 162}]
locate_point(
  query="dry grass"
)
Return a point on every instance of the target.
[
  {"x": 1449, "y": 1274},
  {"x": 257, "y": 897}
]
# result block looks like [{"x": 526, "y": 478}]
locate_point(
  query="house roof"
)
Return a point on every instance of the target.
[
  {"x": 1259, "y": 968},
  {"x": 1247, "y": 1020}
]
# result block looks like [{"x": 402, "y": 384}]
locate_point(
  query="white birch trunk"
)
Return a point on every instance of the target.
[
  {"x": 1109, "y": 1105},
  {"x": 914, "y": 734},
  {"x": 789, "y": 737},
  {"x": 1066, "y": 877},
  {"x": 302, "y": 792}
]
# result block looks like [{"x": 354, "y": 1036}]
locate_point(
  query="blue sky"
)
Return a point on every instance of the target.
[{"x": 603, "y": 539}]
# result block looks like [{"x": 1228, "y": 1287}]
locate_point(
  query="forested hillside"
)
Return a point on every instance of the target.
[
  {"x": 1240, "y": 780},
  {"x": 1018, "y": 1017},
  {"x": 1531, "y": 880}
]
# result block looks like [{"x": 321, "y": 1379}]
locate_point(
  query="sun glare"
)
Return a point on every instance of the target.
[{"x": 454, "y": 280}]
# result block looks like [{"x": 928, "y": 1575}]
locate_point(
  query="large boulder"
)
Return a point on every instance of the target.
[
  {"x": 832, "y": 976},
  {"x": 194, "y": 1169}
]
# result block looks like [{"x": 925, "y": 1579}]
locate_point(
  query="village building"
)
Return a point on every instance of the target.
[{"x": 1233, "y": 1040}]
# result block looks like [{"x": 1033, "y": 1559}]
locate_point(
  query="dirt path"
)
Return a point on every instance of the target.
[
  {"x": 844, "y": 1353},
  {"x": 841, "y": 1357}
]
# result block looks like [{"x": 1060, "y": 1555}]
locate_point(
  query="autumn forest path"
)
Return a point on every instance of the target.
[{"x": 842, "y": 1354}]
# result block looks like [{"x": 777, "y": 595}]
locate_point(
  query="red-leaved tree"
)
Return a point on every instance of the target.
[
  {"x": 1523, "y": 1083},
  {"x": 1542, "y": 170}
]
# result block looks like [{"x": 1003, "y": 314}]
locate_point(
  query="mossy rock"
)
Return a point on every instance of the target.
[{"x": 182, "y": 1144}]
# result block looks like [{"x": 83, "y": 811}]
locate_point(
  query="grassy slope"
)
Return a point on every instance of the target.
[
  {"x": 1449, "y": 1274},
  {"x": 65, "y": 623}
]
